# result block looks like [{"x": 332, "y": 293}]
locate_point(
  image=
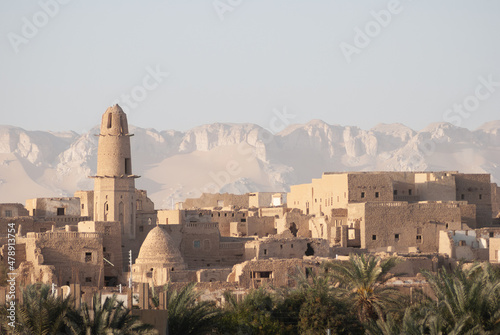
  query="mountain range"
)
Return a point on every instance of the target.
[{"x": 239, "y": 158}]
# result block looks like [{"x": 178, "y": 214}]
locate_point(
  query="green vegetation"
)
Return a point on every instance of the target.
[
  {"x": 108, "y": 318},
  {"x": 189, "y": 316},
  {"x": 44, "y": 314},
  {"x": 345, "y": 297}
]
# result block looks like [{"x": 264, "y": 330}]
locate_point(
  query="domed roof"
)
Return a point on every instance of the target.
[
  {"x": 115, "y": 109},
  {"x": 158, "y": 247}
]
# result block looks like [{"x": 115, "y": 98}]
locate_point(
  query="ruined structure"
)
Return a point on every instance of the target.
[
  {"x": 12, "y": 210},
  {"x": 337, "y": 190},
  {"x": 393, "y": 211}
]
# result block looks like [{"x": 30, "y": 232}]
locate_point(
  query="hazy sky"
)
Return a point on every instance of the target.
[{"x": 62, "y": 63}]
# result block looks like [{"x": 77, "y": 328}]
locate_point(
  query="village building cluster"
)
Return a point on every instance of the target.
[{"x": 113, "y": 235}]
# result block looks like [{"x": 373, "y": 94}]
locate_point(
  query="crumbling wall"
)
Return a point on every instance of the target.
[
  {"x": 111, "y": 244},
  {"x": 295, "y": 222},
  {"x": 276, "y": 272},
  {"x": 213, "y": 275},
  {"x": 76, "y": 257},
  {"x": 276, "y": 247}
]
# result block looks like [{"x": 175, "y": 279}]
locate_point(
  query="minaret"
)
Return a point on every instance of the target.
[{"x": 114, "y": 185}]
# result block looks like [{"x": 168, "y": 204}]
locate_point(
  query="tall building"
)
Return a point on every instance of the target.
[{"x": 114, "y": 187}]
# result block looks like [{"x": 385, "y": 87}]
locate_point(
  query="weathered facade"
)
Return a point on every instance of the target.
[
  {"x": 337, "y": 190},
  {"x": 275, "y": 272},
  {"x": 69, "y": 256},
  {"x": 53, "y": 207},
  {"x": 12, "y": 210},
  {"x": 111, "y": 248},
  {"x": 286, "y": 247}
]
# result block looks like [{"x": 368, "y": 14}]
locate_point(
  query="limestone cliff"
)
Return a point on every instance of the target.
[{"x": 240, "y": 157}]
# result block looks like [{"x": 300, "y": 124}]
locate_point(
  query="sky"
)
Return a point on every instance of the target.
[{"x": 180, "y": 64}]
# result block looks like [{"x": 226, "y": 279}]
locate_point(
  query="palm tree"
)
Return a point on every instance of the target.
[
  {"x": 465, "y": 302},
  {"x": 362, "y": 281},
  {"x": 255, "y": 314},
  {"x": 468, "y": 300},
  {"x": 187, "y": 315},
  {"x": 319, "y": 306},
  {"x": 416, "y": 321},
  {"x": 108, "y": 318},
  {"x": 41, "y": 313}
]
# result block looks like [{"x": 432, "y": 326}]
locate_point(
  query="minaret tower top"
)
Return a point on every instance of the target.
[
  {"x": 114, "y": 122},
  {"x": 114, "y": 156}
]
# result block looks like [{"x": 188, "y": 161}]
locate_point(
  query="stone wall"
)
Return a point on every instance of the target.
[
  {"x": 285, "y": 248},
  {"x": 494, "y": 250},
  {"x": 495, "y": 200},
  {"x": 400, "y": 225},
  {"x": 212, "y": 275},
  {"x": 166, "y": 217},
  {"x": 300, "y": 197},
  {"x": 276, "y": 272},
  {"x": 12, "y": 210},
  {"x": 76, "y": 257},
  {"x": 225, "y": 217},
  {"x": 434, "y": 186},
  {"x": 86, "y": 203},
  {"x": 336, "y": 190},
  {"x": 210, "y": 200},
  {"x": 202, "y": 246},
  {"x": 23, "y": 225},
  {"x": 111, "y": 244},
  {"x": 476, "y": 189},
  {"x": 295, "y": 222},
  {"x": 276, "y": 212},
  {"x": 50, "y": 207},
  {"x": 365, "y": 187},
  {"x": 262, "y": 199},
  {"x": 412, "y": 266}
]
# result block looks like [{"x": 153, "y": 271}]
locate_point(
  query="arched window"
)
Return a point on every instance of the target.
[
  {"x": 106, "y": 211},
  {"x": 110, "y": 120}
]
